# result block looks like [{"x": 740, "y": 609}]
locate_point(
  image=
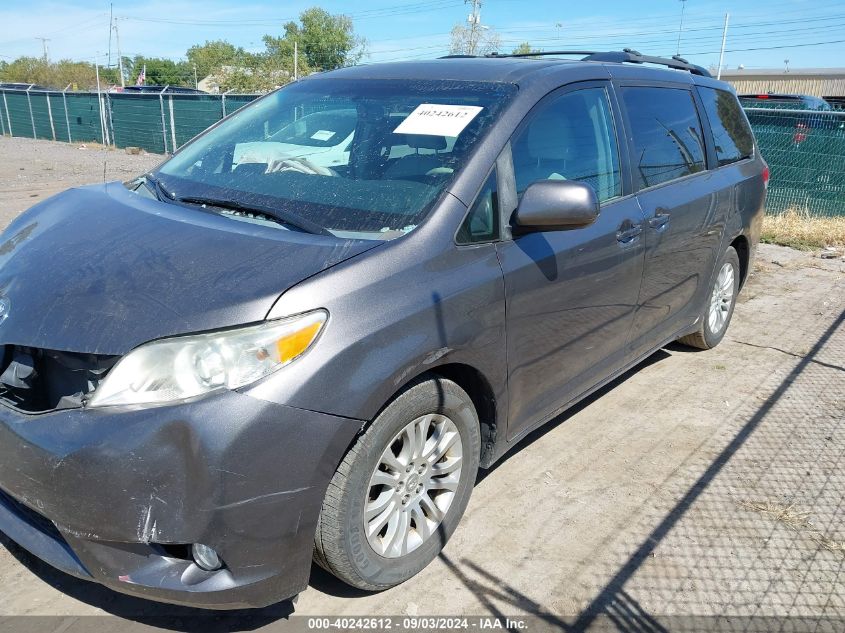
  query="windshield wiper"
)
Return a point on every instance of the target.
[
  {"x": 157, "y": 188},
  {"x": 285, "y": 217}
]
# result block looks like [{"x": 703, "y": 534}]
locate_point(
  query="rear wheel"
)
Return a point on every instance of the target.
[
  {"x": 720, "y": 304},
  {"x": 401, "y": 490}
]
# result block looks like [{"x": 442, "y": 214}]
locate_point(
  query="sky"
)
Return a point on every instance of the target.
[{"x": 761, "y": 34}]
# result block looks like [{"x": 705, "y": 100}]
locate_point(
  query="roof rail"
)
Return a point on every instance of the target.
[
  {"x": 541, "y": 53},
  {"x": 629, "y": 55},
  {"x": 625, "y": 56}
]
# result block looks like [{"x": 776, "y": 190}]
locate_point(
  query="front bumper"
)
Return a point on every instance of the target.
[{"x": 103, "y": 494}]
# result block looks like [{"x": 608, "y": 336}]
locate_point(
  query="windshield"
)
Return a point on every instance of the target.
[{"x": 364, "y": 158}]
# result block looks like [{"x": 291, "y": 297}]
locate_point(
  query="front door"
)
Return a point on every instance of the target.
[{"x": 570, "y": 294}]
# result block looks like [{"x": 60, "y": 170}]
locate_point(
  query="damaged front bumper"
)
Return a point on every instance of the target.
[{"x": 113, "y": 495}]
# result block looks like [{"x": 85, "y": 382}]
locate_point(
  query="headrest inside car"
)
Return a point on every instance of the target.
[{"x": 426, "y": 141}]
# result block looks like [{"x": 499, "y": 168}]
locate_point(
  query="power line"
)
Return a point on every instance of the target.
[{"x": 770, "y": 48}]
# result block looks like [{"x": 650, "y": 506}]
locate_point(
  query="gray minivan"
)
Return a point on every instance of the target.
[{"x": 302, "y": 335}]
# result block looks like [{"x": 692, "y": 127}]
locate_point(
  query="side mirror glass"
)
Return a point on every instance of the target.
[{"x": 551, "y": 205}]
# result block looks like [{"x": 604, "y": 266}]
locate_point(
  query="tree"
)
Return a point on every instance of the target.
[
  {"x": 524, "y": 49},
  {"x": 163, "y": 72},
  {"x": 479, "y": 40},
  {"x": 255, "y": 73},
  {"x": 57, "y": 75},
  {"x": 211, "y": 57},
  {"x": 325, "y": 41},
  {"x": 32, "y": 70}
]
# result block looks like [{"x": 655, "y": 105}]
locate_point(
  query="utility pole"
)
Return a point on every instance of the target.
[
  {"x": 474, "y": 20},
  {"x": 722, "y": 51},
  {"x": 111, "y": 23},
  {"x": 681, "y": 27},
  {"x": 100, "y": 101},
  {"x": 44, "y": 41},
  {"x": 119, "y": 56},
  {"x": 295, "y": 60},
  {"x": 196, "y": 83}
]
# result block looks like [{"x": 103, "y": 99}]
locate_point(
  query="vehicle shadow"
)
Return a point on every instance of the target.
[{"x": 540, "y": 432}]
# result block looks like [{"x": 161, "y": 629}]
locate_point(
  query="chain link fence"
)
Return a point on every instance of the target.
[
  {"x": 805, "y": 149},
  {"x": 155, "y": 122}
]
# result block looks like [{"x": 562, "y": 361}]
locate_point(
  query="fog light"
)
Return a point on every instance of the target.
[{"x": 205, "y": 557}]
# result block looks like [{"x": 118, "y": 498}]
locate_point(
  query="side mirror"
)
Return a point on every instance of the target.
[{"x": 550, "y": 205}]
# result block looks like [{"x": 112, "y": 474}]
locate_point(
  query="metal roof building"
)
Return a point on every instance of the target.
[{"x": 819, "y": 82}]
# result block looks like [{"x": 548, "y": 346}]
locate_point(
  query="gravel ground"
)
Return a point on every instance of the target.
[
  {"x": 700, "y": 484},
  {"x": 31, "y": 171}
]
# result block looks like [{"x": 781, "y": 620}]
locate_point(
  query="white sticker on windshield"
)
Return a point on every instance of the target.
[
  {"x": 322, "y": 135},
  {"x": 438, "y": 120}
]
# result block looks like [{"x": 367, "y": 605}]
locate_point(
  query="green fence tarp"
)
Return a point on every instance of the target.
[
  {"x": 806, "y": 156},
  {"x": 84, "y": 115},
  {"x": 137, "y": 121},
  {"x": 16, "y": 104}
]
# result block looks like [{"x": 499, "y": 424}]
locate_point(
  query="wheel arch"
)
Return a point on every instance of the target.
[
  {"x": 743, "y": 249},
  {"x": 480, "y": 392},
  {"x": 483, "y": 398}
]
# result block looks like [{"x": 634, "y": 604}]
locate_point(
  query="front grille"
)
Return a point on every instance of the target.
[{"x": 38, "y": 380}]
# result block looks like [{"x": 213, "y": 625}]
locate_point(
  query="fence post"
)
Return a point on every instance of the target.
[
  {"x": 163, "y": 126},
  {"x": 50, "y": 115},
  {"x": 106, "y": 125},
  {"x": 172, "y": 121},
  {"x": 67, "y": 116},
  {"x": 224, "y": 102},
  {"x": 3, "y": 121},
  {"x": 6, "y": 105},
  {"x": 31, "y": 117},
  {"x": 111, "y": 120}
]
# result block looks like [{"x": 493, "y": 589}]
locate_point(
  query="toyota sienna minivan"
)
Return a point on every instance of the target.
[{"x": 302, "y": 335}]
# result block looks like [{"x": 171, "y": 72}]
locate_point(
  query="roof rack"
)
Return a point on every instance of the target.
[
  {"x": 625, "y": 56},
  {"x": 629, "y": 55}
]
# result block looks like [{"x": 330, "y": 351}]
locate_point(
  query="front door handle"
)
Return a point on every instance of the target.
[
  {"x": 659, "y": 220},
  {"x": 627, "y": 233}
]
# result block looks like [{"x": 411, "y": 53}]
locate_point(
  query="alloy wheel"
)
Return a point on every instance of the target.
[
  {"x": 721, "y": 299},
  {"x": 413, "y": 485}
]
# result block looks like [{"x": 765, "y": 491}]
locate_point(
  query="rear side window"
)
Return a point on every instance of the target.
[
  {"x": 731, "y": 135},
  {"x": 666, "y": 131},
  {"x": 570, "y": 137}
]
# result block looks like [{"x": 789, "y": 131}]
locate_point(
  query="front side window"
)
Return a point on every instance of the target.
[
  {"x": 731, "y": 135},
  {"x": 482, "y": 222},
  {"x": 668, "y": 142},
  {"x": 362, "y": 159},
  {"x": 570, "y": 137}
]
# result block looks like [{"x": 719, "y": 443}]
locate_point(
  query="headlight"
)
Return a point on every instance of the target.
[{"x": 188, "y": 366}]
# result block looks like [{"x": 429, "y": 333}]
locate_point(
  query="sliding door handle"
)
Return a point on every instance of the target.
[
  {"x": 659, "y": 221},
  {"x": 627, "y": 234}
]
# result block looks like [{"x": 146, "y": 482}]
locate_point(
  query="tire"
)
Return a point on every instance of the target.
[
  {"x": 376, "y": 562},
  {"x": 721, "y": 299}
]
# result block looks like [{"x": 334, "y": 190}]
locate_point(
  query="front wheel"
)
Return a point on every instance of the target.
[
  {"x": 720, "y": 304},
  {"x": 402, "y": 488}
]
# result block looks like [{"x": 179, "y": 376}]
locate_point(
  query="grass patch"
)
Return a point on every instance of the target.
[
  {"x": 797, "y": 521},
  {"x": 799, "y": 229}
]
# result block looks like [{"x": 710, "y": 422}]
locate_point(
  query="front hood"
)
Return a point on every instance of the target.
[{"x": 101, "y": 270}]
